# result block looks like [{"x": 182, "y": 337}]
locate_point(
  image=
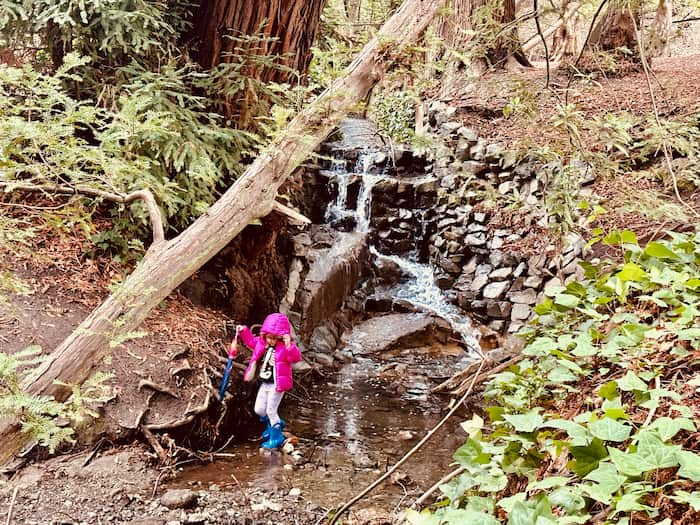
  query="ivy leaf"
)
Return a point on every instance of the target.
[
  {"x": 610, "y": 430},
  {"x": 690, "y": 465},
  {"x": 587, "y": 458},
  {"x": 473, "y": 517},
  {"x": 584, "y": 346},
  {"x": 658, "y": 250},
  {"x": 547, "y": 483},
  {"x": 540, "y": 347},
  {"x": 578, "y": 435},
  {"x": 630, "y": 382},
  {"x": 608, "y": 482},
  {"x": 425, "y": 517},
  {"x": 608, "y": 391},
  {"x": 566, "y": 300},
  {"x": 632, "y": 272},
  {"x": 525, "y": 422},
  {"x": 627, "y": 463},
  {"x": 690, "y": 498},
  {"x": 667, "y": 427},
  {"x": 630, "y": 502},
  {"x": 655, "y": 452}
]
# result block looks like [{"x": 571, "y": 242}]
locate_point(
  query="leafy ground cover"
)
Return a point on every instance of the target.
[{"x": 597, "y": 423}]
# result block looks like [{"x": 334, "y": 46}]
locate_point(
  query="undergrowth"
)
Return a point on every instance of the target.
[{"x": 596, "y": 423}]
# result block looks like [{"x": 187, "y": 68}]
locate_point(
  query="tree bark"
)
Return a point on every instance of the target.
[
  {"x": 615, "y": 30},
  {"x": 168, "y": 263},
  {"x": 289, "y": 27},
  {"x": 661, "y": 28}
]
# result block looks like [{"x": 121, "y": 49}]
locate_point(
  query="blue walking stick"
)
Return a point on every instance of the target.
[{"x": 229, "y": 365}]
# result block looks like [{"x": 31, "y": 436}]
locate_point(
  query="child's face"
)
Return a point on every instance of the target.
[{"x": 271, "y": 340}]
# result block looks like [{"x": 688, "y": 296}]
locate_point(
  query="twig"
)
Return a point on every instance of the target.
[
  {"x": 146, "y": 383},
  {"x": 410, "y": 453},
  {"x": 432, "y": 489},
  {"x": 544, "y": 40},
  {"x": 95, "y": 450},
  {"x": 12, "y": 504},
  {"x": 153, "y": 441}
]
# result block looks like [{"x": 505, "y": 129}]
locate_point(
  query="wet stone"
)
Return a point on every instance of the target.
[
  {"x": 179, "y": 499},
  {"x": 520, "y": 312},
  {"x": 501, "y": 274},
  {"x": 498, "y": 309},
  {"x": 527, "y": 296},
  {"x": 479, "y": 281},
  {"x": 533, "y": 281},
  {"x": 495, "y": 290}
]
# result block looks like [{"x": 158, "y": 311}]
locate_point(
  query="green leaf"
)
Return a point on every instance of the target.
[
  {"x": 658, "y": 250},
  {"x": 630, "y": 503},
  {"x": 608, "y": 481},
  {"x": 540, "y": 347},
  {"x": 690, "y": 465},
  {"x": 525, "y": 422},
  {"x": 631, "y": 382},
  {"x": 473, "y": 517},
  {"x": 632, "y": 272},
  {"x": 668, "y": 427},
  {"x": 608, "y": 390},
  {"x": 425, "y": 517},
  {"x": 587, "y": 458},
  {"x": 566, "y": 300},
  {"x": 655, "y": 452},
  {"x": 584, "y": 346},
  {"x": 628, "y": 464},
  {"x": 690, "y": 498},
  {"x": 610, "y": 430},
  {"x": 547, "y": 483},
  {"x": 578, "y": 435}
]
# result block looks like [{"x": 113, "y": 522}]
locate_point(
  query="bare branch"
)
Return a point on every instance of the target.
[{"x": 145, "y": 195}]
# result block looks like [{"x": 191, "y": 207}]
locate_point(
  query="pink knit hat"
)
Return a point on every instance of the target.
[{"x": 276, "y": 324}]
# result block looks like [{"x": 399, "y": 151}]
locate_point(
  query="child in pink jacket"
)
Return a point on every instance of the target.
[{"x": 275, "y": 353}]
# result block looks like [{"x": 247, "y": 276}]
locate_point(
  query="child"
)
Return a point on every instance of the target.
[{"x": 276, "y": 353}]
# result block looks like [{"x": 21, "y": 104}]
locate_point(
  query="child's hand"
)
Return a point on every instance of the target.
[
  {"x": 232, "y": 350},
  {"x": 239, "y": 328},
  {"x": 287, "y": 340}
]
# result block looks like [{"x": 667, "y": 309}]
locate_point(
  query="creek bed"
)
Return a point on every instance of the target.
[{"x": 351, "y": 426}]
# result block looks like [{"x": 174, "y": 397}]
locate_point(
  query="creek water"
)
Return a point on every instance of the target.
[{"x": 357, "y": 421}]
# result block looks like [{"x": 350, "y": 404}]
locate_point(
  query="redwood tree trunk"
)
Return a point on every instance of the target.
[
  {"x": 288, "y": 25},
  {"x": 168, "y": 263},
  {"x": 615, "y": 29}
]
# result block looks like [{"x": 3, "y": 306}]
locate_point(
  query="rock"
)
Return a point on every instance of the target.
[
  {"x": 495, "y": 290},
  {"x": 533, "y": 281},
  {"x": 322, "y": 359},
  {"x": 179, "y": 499},
  {"x": 506, "y": 187},
  {"x": 468, "y": 134},
  {"x": 323, "y": 340},
  {"x": 470, "y": 267},
  {"x": 520, "y": 312},
  {"x": 480, "y": 280},
  {"x": 385, "y": 332},
  {"x": 520, "y": 269},
  {"x": 493, "y": 152},
  {"x": 480, "y": 217},
  {"x": 527, "y": 296},
  {"x": 474, "y": 167},
  {"x": 448, "y": 128},
  {"x": 405, "y": 435},
  {"x": 498, "y": 309},
  {"x": 295, "y": 492},
  {"x": 475, "y": 227},
  {"x": 475, "y": 239},
  {"x": 495, "y": 243},
  {"x": 501, "y": 274}
]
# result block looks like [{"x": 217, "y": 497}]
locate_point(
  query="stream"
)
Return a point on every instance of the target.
[{"x": 356, "y": 422}]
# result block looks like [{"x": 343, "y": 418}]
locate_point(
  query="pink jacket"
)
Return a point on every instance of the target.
[{"x": 284, "y": 358}]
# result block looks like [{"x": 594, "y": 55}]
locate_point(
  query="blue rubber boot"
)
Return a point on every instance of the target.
[
  {"x": 276, "y": 439},
  {"x": 266, "y": 433}
]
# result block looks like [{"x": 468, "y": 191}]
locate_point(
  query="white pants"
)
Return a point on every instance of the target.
[{"x": 268, "y": 401}]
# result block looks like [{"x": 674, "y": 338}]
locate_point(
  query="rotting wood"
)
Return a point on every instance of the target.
[
  {"x": 147, "y": 383},
  {"x": 169, "y": 263}
]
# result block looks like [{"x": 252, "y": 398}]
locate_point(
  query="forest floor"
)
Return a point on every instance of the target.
[{"x": 120, "y": 484}]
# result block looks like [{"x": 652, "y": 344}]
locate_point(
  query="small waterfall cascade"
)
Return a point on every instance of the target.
[
  {"x": 341, "y": 209},
  {"x": 421, "y": 291}
]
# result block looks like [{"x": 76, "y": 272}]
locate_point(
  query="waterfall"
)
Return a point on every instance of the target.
[{"x": 421, "y": 290}]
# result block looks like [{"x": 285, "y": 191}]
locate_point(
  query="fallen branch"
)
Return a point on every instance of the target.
[
  {"x": 495, "y": 370},
  {"x": 294, "y": 215},
  {"x": 12, "y": 504},
  {"x": 435, "y": 487},
  {"x": 410, "y": 453},
  {"x": 145, "y": 195}
]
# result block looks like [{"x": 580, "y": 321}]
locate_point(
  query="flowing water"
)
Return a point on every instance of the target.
[{"x": 357, "y": 421}]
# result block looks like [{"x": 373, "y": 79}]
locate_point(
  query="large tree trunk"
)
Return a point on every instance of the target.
[
  {"x": 168, "y": 263},
  {"x": 280, "y": 51},
  {"x": 616, "y": 29},
  {"x": 662, "y": 28},
  {"x": 457, "y": 26},
  {"x": 289, "y": 27}
]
